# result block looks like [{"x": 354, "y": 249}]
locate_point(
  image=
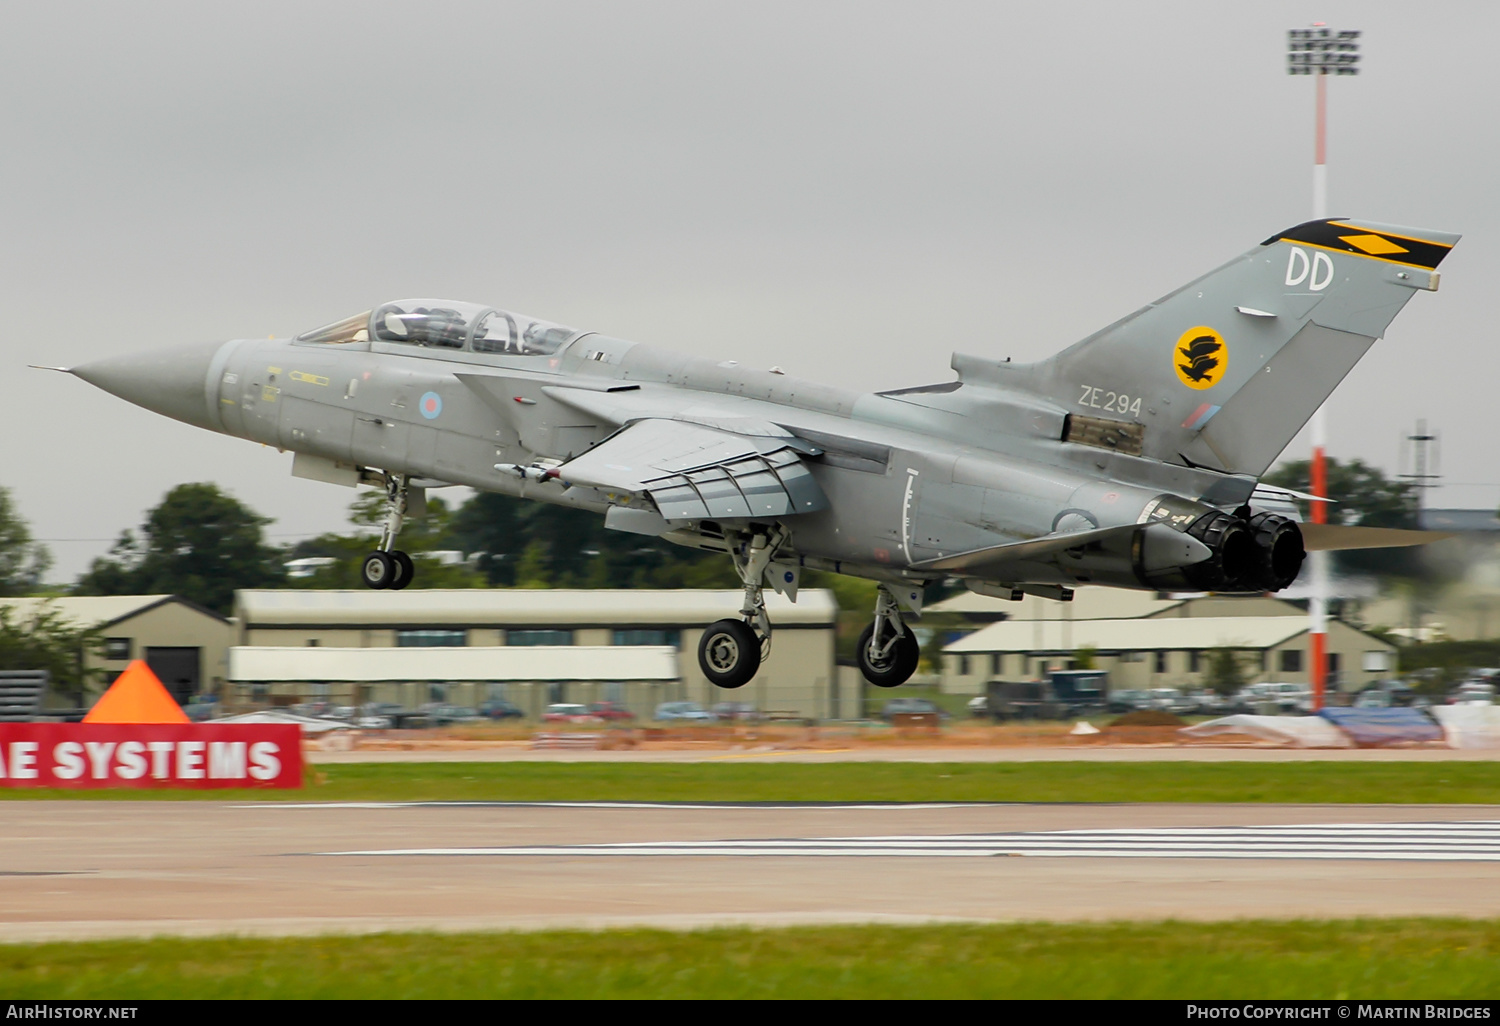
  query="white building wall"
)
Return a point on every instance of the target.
[{"x": 797, "y": 679}]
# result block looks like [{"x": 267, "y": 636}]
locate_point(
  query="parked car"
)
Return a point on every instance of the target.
[
  {"x": 1064, "y": 694},
  {"x": 1206, "y": 703},
  {"x": 683, "y": 712},
  {"x": 1293, "y": 698},
  {"x": 1473, "y": 692},
  {"x": 384, "y": 715},
  {"x": 611, "y": 712},
  {"x": 201, "y": 708},
  {"x": 978, "y": 706},
  {"x": 440, "y": 714},
  {"x": 1284, "y": 697},
  {"x": 1384, "y": 694},
  {"x": 499, "y": 709},
  {"x": 1079, "y": 692},
  {"x": 360, "y": 717},
  {"x": 1127, "y": 700},
  {"x": 1169, "y": 700},
  {"x": 1248, "y": 699},
  {"x": 569, "y": 712},
  {"x": 907, "y": 706},
  {"x": 741, "y": 711}
]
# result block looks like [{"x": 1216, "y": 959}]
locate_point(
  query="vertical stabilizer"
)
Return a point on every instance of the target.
[{"x": 1224, "y": 372}]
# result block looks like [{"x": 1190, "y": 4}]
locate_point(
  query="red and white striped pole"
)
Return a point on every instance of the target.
[
  {"x": 1318, "y": 608},
  {"x": 1320, "y": 52}
]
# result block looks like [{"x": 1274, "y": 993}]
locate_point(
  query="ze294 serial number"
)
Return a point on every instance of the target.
[{"x": 1113, "y": 402}]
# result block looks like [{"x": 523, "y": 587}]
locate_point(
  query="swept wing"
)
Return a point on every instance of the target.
[{"x": 693, "y": 472}]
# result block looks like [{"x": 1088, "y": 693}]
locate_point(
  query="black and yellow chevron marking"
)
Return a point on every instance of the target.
[{"x": 1343, "y": 236}]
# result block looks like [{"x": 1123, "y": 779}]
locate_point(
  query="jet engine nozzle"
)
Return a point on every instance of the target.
[
  {"x": 1234, "y": 565},
  {"x": 1278, "y": 551}
]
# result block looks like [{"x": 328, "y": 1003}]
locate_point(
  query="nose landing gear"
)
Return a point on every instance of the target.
[
  {"x": 887, "y": 650},
  {"x": 387, "y": 567}
]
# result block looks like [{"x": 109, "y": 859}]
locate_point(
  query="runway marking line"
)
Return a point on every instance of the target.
[{"x": 1466, "y": 841}]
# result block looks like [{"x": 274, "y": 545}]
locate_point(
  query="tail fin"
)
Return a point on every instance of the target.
[{"x": 1224, "y": 372}]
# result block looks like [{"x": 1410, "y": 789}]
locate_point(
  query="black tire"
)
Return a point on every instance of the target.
[
  {"x": 378, "y": 570},
  {"x": 405, "y": 571},
  {"x": 729, "y": 653},
  {"x": 898, "y": 667}
]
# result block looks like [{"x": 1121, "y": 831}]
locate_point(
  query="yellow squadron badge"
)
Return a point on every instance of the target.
[{"x": 1200, "y": 357}]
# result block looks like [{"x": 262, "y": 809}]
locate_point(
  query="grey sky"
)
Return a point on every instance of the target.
[{"x": 849, "y": 190}]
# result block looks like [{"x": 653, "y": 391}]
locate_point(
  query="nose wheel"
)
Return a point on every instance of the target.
[
  {"x": 392, "y": 570},
  {"x": 387, "y": 566}
]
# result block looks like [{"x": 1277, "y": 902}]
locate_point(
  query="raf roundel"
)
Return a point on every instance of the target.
[
  {"x": 1200, "y": 357},
  {"x": 431, "y": 405}
]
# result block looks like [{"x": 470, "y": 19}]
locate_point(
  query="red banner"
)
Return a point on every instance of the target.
[{"x": 150, "y": 755}]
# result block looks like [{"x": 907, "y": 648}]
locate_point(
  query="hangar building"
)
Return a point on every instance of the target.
[
  {"x": 465, "y": 644},
  {"x": 1147, "y": 640},
  {"x": 185, "y": 645}
]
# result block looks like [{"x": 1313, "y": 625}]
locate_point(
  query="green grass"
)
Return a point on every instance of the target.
[
  {"x": 747, "y": 780},
  {"x": 1365, "y": 959}
]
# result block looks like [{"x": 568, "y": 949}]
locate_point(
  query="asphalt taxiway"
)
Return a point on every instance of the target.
[{"x": 80, "y": 869}]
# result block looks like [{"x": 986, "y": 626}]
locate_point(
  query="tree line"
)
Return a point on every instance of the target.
[{"x": 203, "y": 544}]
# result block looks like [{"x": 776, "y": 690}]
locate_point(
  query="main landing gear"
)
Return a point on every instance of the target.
[
  {"x": 732, "y": 650},
  {"x": 387, "y": 567},
  {"x": 887, "y": 650}
]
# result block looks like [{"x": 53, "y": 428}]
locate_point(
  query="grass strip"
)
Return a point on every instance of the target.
[
  {"x": 1361, "y": 959},
  {"x": 1393, "y": 783}
]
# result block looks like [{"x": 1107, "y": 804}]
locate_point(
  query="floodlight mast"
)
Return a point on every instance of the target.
[{"x": 1320, "y": 51}]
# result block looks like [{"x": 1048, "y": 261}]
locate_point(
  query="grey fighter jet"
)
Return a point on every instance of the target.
[{"x": 1129, "y": 459}]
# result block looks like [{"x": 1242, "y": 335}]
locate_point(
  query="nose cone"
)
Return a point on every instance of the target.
[{"x": 179, "y": 383}]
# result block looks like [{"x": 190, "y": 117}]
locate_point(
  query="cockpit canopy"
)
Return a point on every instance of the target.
[{"x": 449, "y": 325}]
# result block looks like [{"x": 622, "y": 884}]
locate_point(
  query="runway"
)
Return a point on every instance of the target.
[{"x": 104, "y": 869}]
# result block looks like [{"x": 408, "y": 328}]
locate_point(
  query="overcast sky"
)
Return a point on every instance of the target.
[{"x": 849, "y": 190}]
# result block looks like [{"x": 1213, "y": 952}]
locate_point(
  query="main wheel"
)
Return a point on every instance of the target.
[
  {"x": 729, "y": 653},
  {"x": 404, "y": 570},
  {"x": 378, "y": 570},
  {"x": 898, "y": 664}
]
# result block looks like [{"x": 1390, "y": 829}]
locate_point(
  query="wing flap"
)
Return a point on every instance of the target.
[{"x": 692, "y": 472}]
